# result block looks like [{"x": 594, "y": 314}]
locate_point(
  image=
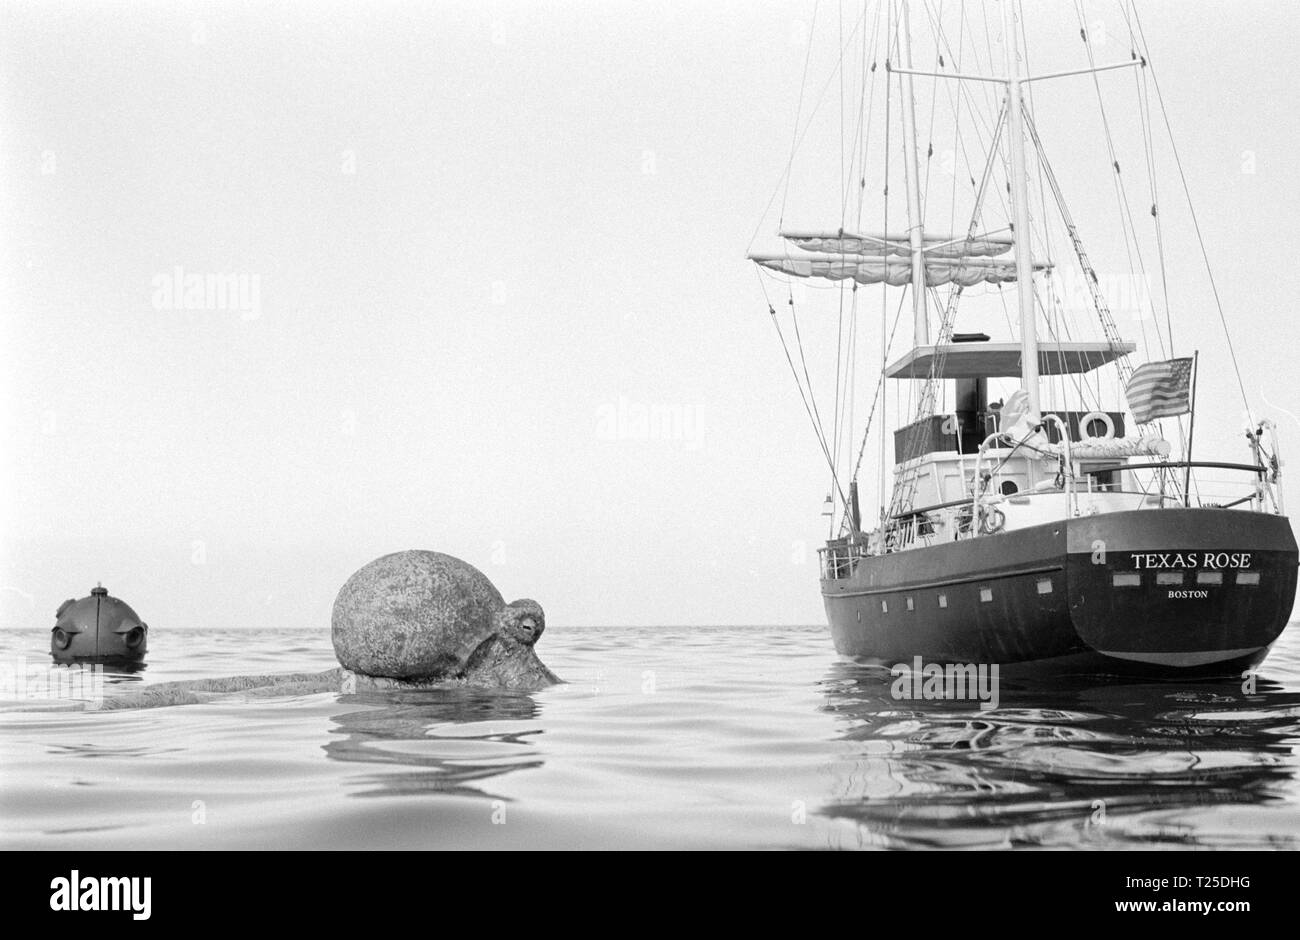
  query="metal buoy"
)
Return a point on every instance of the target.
[{"x": 98, "y": 629}]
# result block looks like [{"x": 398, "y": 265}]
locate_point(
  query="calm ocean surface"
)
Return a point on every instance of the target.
[{"x": 663, "y": 737}]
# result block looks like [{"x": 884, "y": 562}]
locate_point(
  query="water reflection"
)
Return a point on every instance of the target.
[
  {"x": 451, "y": 740},
  {"x": 1112, "y": 763}
]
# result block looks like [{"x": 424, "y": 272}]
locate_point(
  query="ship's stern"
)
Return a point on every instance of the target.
[{"x": 1181, "y": 591}]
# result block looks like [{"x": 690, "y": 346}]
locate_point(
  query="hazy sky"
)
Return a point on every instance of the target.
[{"x": 477, "y": 244}]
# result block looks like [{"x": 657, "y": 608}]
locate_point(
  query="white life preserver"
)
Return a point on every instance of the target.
[
  {"x": 992, "y": 521},
  {"x": 1106, "y": 421}
]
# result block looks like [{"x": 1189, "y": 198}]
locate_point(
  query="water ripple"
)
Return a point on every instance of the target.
[{"x": 670, "y": 737}]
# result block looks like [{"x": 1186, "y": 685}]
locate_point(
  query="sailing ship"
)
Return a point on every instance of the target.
[{"x": 1052, "y": 531}]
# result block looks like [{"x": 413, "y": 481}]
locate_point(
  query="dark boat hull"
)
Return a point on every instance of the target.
[{"x": 1125, "y": 593}]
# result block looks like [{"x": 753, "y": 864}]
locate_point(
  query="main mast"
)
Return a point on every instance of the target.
[
  {"x": 915, "y": 225},
  {"x": 1020, "y": 197}
]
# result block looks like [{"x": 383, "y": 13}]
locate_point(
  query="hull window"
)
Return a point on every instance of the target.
[
  {"x": 1126, "y": 579},
  {"x": 1169, "y": 577},
  {"x": 986, "y": 595},
  {"x": 1248, "y": 577},
  {"x": 1044, "y": 585},
  {"x": 1209, "y": 577}
]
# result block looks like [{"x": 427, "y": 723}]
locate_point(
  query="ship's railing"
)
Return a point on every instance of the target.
[
  {"x": 839, "y": 559},
  {"x": 1194, "y": 483},
  {"x": 1164, "y": 484},
  {"x": 941, "y": 522}
]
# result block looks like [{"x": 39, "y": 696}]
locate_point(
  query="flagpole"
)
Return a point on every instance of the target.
[{"x": 1191, "y": 432}]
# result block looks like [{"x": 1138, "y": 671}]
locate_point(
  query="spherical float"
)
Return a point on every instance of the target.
[{"x": 98, "y": 628}]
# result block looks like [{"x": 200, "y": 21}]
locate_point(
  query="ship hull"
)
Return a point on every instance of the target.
[{"x": 1165, "y": 593}]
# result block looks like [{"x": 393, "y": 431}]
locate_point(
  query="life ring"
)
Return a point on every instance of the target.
[
  {"x": 992, "y": 521},
  {"x": 1106, "y": 421}
]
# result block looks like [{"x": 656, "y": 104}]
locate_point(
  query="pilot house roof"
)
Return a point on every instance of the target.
[{"x": 998, "y": 360}]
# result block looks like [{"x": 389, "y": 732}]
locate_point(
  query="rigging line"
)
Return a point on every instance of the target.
[
  {"x": 934, "y": 101},
  {"x": 904, "y": 488},
  {"x": 866, "y": 110},
  {"x": 862, "y": 136},
  {"x": 990, "y": 102},
  {"x": 884, "y": 294},
  {"x": 1169, "y": 330},
  {"x": 1109, "y": 328},
  {"x": 1117, "y": 180},
  {"x": 1042, "y": 190},
  {"x": 845, "y": 411},
  {"x": 1182, "y": 432},
  {"x": 1144, "y": 113},
  {"x": 840, "y": 71},
  {"x": 880, "y": 384},
  {"x": 1121, "y": 190},
  {"x": 1196, "y": 225},
  {"x": 905, "y": 484},
  {"x": 810, "y": 408},
  {"x": 956, "y": 126},
  {"x": 821, "y": 428},
  {"x": 851, "y": 391},
  {"x": 839, "y": 338},
  {"x": 798, "y": 112},
  {"x": 799, "y": 137},
  {"x": 836, "y": 409}
]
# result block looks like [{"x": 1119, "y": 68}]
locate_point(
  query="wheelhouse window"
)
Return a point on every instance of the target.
[{"x": 1106, "y": 479}]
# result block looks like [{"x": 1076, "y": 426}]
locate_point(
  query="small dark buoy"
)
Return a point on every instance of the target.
[{"x": 98, "y": 629}]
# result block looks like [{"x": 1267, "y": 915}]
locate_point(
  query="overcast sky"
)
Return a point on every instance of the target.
[{"x": 476, "y": 244}]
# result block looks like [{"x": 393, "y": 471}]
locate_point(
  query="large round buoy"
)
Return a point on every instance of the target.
[
  {"x": 98, "y": 629},
  {"x": 1107, "y": 422}
]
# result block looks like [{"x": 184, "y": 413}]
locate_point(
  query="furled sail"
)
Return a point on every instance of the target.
[
  {"x": 1148, "y": 445},
  {"x": 896, "y": 243},
  {"x": 965, "y": 272}
]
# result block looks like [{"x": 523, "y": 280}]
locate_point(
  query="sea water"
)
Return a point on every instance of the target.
[{"x": 667, "y": 737}]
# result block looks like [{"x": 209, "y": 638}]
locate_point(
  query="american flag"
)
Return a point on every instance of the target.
[{"x": 1160, "y": 390}]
